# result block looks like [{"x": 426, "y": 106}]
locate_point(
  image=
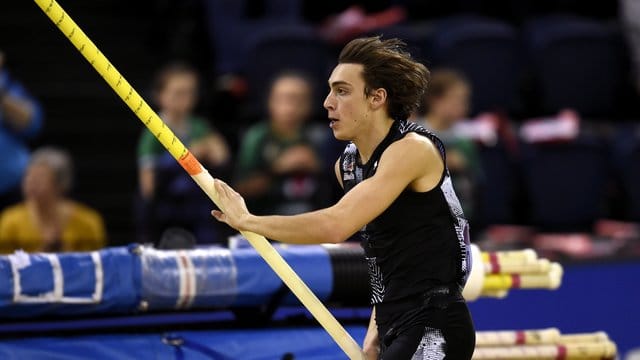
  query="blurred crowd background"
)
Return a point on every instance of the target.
[{"x": 537, "y": 102}]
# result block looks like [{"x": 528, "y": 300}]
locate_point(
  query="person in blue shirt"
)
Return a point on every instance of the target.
[{"x": 20, "y": 120}]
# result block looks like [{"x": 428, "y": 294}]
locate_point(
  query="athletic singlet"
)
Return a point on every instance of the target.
[{"x": 421, "y": 240}]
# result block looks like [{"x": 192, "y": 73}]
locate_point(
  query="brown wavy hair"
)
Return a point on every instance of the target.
[{"x": 387, "y": 64}]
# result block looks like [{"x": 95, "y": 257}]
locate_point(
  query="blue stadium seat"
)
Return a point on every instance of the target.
[
  {"x": 498, "y": 186},
  {"x": 230, "y": 28},
  {"x": 276, "y": 49},
  {"x": 284, "y": 10},
  {"x": 579, "y": 64},
  {"x": 417, "y": 35},
  {"x": 486, "y": 51},
  {"x": 626, "y": 158},
  {"x": 632, "y": 183},
  {"x": 565, "y": 184}
]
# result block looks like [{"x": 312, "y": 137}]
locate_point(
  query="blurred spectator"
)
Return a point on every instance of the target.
[
  {"x": 20, "y": 119},
  {"x": 48, "y": 220},
  {"x": 278, "y": 166},
  {"x": 446, "y": 104},
  {"x": 169, "y": 196}
]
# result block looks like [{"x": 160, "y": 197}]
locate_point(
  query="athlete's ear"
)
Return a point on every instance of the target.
[{"x": 378, "y": 98}]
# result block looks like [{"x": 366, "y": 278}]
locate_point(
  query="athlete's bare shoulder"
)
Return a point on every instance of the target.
[
  {"x": 419, "y": 153},
  {"x": 422, "y": 145}
]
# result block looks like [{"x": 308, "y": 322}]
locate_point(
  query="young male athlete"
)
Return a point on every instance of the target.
[{"x": 398, "y": 195}]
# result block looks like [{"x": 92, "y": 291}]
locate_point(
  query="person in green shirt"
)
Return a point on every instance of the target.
[
  {"x": 169, "y": 197},
  {"x": 278, "y": 164},
  {"x": 446, "y": 104}
]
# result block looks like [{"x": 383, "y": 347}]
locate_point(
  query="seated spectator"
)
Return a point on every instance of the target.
[
  {"x": 170, "y": 198},
  {"x": 446, "y": 104},
  {"x": 47, "y": 220},
  {"x": 278, "y": 165},
  {"x": 20, "y": 120}
]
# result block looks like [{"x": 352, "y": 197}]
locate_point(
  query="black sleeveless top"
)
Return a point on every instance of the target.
[{"x": 421, "y": 240}]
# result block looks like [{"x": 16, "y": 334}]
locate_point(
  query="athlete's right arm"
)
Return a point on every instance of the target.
[
  {"x": 371, "y": 344},
  {"x": 406, "y": 162}
]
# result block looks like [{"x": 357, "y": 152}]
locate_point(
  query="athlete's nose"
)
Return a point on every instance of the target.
[{"x": 328, "y": 103}]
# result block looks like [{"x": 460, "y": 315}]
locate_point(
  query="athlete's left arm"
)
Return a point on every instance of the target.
[{"x": 405, "y": 162}]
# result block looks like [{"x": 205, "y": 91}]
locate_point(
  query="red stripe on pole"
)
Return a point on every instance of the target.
[
  {"x": 515, "y": 281},
  {"x": 187, "y": 280},
  {"x": 495, "y": 264},
  {"x": 562, "y": 352}
]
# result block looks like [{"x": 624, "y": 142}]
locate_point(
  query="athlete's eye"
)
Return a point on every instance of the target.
[{"x": 341, "y": 91}]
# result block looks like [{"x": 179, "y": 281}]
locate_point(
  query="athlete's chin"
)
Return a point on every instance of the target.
[{"x": 340, "y": 135}]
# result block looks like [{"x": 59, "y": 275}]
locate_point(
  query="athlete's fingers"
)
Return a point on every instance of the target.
[
  {"x": 219, "y": 215},
  {"x": 223, "y": 192},
  {"x": 219, "y": 188},
  {"x": 224, "y": 188}
]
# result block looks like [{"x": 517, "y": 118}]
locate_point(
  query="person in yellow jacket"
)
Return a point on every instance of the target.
[{"x": 47, "y": 220}]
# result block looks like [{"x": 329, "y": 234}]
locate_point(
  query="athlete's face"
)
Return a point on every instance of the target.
[{"x": 347, "y": 105}]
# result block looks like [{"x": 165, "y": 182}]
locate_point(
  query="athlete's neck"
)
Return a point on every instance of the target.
[{"x": 368, "y": 140}]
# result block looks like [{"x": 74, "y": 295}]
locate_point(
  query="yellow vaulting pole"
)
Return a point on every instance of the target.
[{"x": 199, "y": 174}]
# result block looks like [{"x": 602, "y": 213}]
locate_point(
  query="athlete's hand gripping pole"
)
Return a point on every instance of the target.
[{"x": 200, "y": 175}]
